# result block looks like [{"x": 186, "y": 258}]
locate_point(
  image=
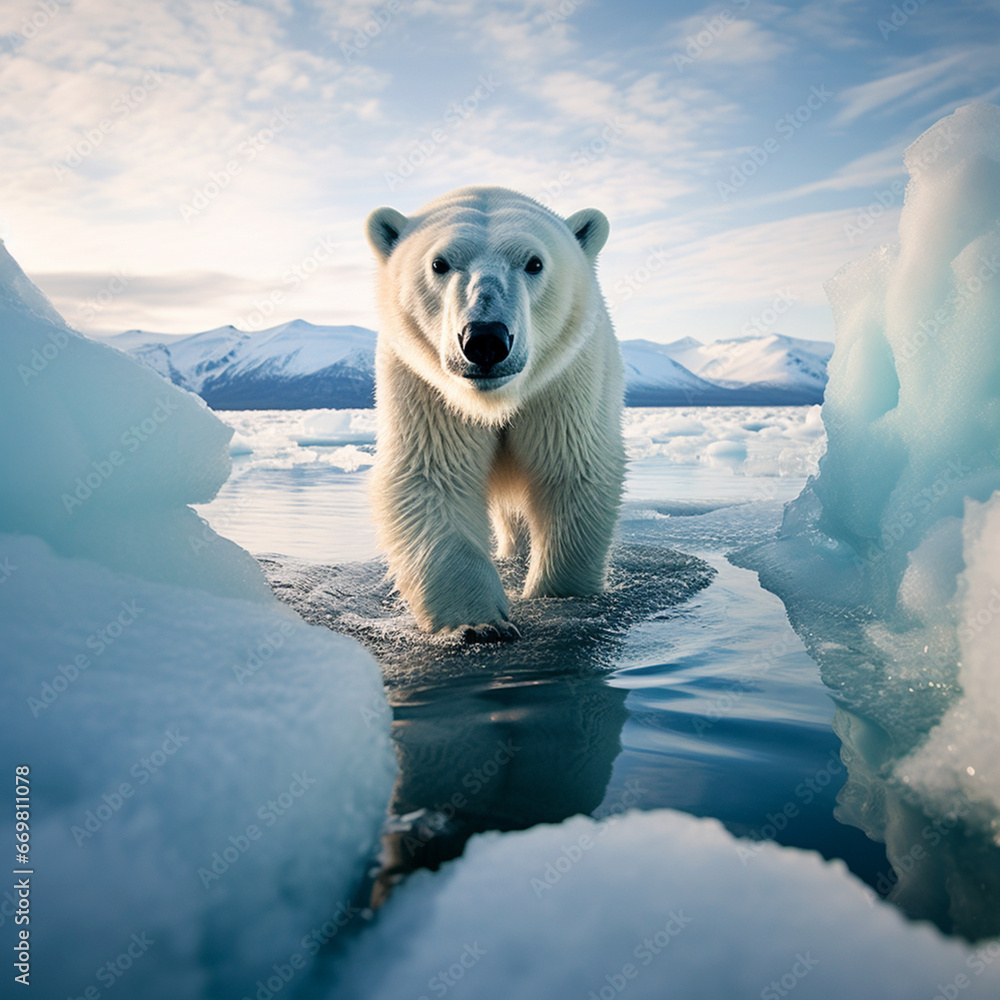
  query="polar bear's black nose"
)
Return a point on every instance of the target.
[{"x": 486, "y": 344}]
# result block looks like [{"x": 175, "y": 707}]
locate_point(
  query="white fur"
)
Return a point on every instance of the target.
[{"x": 539, "y": 448}]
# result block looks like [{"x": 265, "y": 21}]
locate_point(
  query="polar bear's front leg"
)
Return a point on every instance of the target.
[
  {"x": 572, "y": 525},
  {"x": 573, "y": 498},
  {"x": 429, "y": 498}
]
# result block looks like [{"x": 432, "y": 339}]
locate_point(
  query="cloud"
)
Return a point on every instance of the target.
[
  {"x": 889, "y": 90},
  {"x": 725, "y": 38}
]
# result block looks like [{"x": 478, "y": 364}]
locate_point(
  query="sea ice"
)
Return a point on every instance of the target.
[
  {"x": 649, "y": 905},
  {"x": 886, "y": 560},
  {"x": 208, "y": 773}
]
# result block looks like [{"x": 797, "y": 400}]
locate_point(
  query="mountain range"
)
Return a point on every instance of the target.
[{"x": 299, "y": 365}]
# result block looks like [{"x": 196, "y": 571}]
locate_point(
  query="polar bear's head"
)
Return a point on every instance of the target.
[{"x": 486, "y": 294}]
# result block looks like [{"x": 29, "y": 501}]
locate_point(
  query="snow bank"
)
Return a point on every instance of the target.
[
  {"x": 885, "y": 558},
  {"x": 649, "y": 905},
  {"x": 202, "y": 776},
  {"x": 208, "y": 773}
]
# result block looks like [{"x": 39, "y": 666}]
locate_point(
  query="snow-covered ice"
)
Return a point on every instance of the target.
[
  {"x": 650, "y": 905},
  {"x": 209, "y": 773},
  {"x": 203, "y": 775},
  {"x": 754, "y": 441}
]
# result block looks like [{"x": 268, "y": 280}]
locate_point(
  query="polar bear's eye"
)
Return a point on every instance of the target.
[
  {"x": 440, "y": 266},
  {"x": 534, "y": 265}
]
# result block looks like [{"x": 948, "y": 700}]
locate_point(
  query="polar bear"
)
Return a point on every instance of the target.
[{"x": 499, "y": 389}]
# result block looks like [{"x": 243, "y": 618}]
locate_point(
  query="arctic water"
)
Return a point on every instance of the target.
[{"x": 686, "y": 688}]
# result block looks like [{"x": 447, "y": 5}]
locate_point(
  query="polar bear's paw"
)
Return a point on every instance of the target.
[{"x": 489, "y": 632}]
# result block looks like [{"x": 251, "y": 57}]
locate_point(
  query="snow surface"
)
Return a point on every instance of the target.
[
  {"x": 886, "y": 561},
  {"x": 159, "y": 722},
  {"x": 209, "y": 773},
  {"x": 650, "y": 905}
]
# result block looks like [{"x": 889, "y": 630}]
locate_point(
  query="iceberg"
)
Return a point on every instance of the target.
[
  {"x": 204, "y": 775},
  {"x": 886, "y": 561}
]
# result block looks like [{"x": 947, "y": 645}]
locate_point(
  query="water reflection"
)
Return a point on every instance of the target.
[
  {"x": 499, "y": 737},
  {"x": 497, "y": 754},
  {"x": 940, "y": 867}
]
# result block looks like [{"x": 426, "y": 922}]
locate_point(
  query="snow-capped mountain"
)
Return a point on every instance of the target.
[
  {"x": 299, "y": 365},
  {"x": 765, "y": 366},
  {"x": 293, "y": 366}
]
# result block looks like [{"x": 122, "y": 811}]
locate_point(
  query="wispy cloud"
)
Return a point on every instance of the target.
[{"x": 888, "y": 90}]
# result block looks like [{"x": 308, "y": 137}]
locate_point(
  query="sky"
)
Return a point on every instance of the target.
[{"x": 175, "y": 166}]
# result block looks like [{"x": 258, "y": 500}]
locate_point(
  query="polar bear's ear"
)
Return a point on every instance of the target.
[
  {"x": 383, "y": 227},
  {"x": 591, "y": 228}
]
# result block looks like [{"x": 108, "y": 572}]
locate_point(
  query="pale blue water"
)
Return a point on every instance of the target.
[{"x": 710, "y": 705}]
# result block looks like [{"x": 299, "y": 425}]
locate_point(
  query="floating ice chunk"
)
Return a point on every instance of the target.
[{"x": 649, "y": 905}]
